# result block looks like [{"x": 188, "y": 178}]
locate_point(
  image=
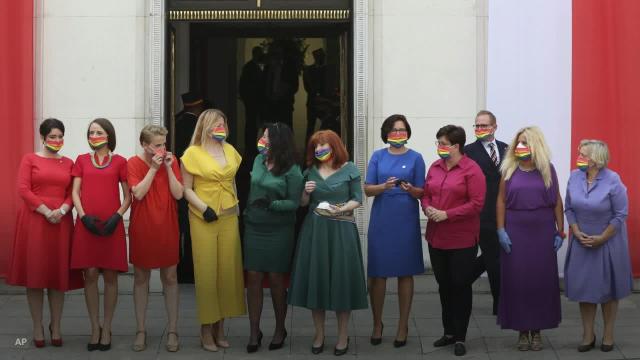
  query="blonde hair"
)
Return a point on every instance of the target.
[
  {"x": 205, "y": 122},
  {"x": 149, "y": 131},
  {"x": 540, "y": 154},
  {"x": 598, "y": 151}
]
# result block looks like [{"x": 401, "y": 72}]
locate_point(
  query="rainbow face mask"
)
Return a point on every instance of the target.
[
  {"x": 53, "y": 145},
  {"x": 162, "y": 152},
  {"x": 582, "y": 163},
  {"x": 522, "y": 152},
  {"x": 443, "y": 151},
  {"x": 323, "y": 154},
  {"x": 219, "y": 133},
  {"x": 397, "y": 138},
  {"x": 96, "y": 142},
  {"x": 482, "y": 134},
  {"x": 263, "y": 146}
]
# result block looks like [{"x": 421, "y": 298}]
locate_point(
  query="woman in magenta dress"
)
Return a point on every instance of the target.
[
  {"x": 99, "y": 243},
  {"x": 42, "y": 243},
  {"x": 530, "y": 220}
]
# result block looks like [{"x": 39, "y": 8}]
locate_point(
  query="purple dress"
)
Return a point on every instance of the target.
[
  {"x": 597, "y": 275},
  {"x": 529, "y": 285}
]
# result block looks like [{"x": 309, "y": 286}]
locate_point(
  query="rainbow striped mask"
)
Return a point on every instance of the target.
[
  {"x": 443, "y": 151},
  {"x": 263, "y": 146},
  {"x": 397, "y": 138},
  {"x": 54, "y": 145},
  {"x": 323, "y": 154},
  {"x": 219, "y": 133},
  {"x": 97, "y": 142},
  {"x": 482, "y": 134},
  {"x": 582, "y": 163},
  {"x": 522, "y": 152}
]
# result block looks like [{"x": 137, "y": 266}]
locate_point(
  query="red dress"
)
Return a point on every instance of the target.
[
  {"x": 154, "y": 237},
  {"x": 100, "y": 197},
  {"x": 42, "y": 250}
]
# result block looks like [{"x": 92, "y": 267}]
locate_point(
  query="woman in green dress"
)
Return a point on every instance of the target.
[
  {"x": 269, "y": 221},
  {"x": 327, "y": 272}
]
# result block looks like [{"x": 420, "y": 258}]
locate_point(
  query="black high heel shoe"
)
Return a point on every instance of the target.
[
  {"x": 251, "y": 348},
  {"x": 317, "y": 349},
  {"x": 276, "y": 346},
  {"x": 377, "y": 341},
  {"x": 95, "y": 346},
  {"x": 400, "y": 343},
  {"x": 340, "y": 352},
  {"x": 585, "y": 348},
  {"x": 105, "y": 347}
]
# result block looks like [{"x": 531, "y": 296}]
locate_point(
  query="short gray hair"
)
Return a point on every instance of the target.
[{"x": 597, "y": 150}]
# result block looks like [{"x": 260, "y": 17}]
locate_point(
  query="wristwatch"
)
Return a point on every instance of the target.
[{"x": 62, "y": 212}]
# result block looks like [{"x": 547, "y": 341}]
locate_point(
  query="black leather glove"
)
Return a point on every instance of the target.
[
  {"x": 111, "y": 223},
  {"x": 262, "y": 203},
  {"x": 91, "y": 223},
  {"x": 209, "y": 215}
]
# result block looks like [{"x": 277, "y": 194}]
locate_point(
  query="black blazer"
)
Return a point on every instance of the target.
[{"x": 477, "y": 152}]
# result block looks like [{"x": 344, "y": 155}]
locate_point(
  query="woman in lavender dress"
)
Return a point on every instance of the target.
[
  {"x": 530, "y": 222},
  {"x": 598, "y": 267}
]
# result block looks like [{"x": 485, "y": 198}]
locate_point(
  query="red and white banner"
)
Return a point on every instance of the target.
[
  {"x": 573, "y": 69},
  {"x": 16, "y": 109}
]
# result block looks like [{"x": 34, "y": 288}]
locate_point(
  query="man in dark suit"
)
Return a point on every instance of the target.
[
  {"x": 252, "y": 88},
  {"x": 186, "y": 121},
  {"x": 488, "y": 153},
  {"x": 314, "y": 78}
]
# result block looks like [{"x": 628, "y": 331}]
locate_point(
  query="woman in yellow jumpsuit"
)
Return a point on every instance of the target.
[{"x": 209, "y": 167}]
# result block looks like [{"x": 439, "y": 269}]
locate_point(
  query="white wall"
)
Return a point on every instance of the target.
[
  {"x": 427, "y": 62},
  {"x": 529, "y": 74},
  {"x": 90, "y": 61}
]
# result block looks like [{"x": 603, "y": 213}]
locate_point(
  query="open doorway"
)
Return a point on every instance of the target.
[{"x": 256, "y": 73}]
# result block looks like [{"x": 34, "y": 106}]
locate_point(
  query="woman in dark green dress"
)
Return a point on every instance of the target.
[
  {"x": 327, "y": 272},
  {"x": 269, "y": 221}
]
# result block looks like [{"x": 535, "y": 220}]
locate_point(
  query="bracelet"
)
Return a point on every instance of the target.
[{"x": 62, "y": 211}]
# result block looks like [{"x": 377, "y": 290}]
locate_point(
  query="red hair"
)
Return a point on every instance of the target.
[{"x": 340, "y": 154}]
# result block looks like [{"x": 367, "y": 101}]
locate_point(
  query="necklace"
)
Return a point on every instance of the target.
[
  {"x": 96, "y": 161},
  {"x": 526, "y": 170}
]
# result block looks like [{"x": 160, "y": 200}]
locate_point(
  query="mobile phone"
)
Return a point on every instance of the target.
[{"x": 400, "y": 182}]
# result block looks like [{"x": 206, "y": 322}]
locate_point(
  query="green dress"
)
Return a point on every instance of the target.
[
  {"x": 328, "y": 273},
  {"x": 269, "y": 231}
]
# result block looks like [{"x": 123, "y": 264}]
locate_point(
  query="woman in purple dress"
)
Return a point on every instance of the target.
[
  {"x": 597, "y": 269},
  {"x": 530, "y": 220}
]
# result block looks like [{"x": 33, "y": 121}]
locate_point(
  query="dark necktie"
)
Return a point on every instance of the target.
[{"x": 492, "y": 153}]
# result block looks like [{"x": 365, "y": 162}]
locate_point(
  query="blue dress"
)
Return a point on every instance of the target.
[
  {"x": 597, "y": 275},
  {"x": 395, "y": 242}
]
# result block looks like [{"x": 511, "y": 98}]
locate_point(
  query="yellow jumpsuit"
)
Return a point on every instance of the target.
[{"x": 217, "y": 257}]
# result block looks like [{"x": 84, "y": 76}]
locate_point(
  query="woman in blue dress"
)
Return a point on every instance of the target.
[
  {"x": 597, "y": 267},
  {"x": 395, "y": 177}
]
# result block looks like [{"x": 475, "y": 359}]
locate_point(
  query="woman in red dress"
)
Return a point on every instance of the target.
[
  {"x": 154, "y": 237},
  {"x": 42, "y": 243},
  {"x": 99, "y": 242}
]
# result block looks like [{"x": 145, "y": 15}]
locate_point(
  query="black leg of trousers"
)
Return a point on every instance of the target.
[
  {"x": 461, "y": 272},
  {"x": 491, "y": 262},
  {"x": 453, "y": 270},
  {"x": 440, "y": 265},
  {"x": 185, "y": 266}
]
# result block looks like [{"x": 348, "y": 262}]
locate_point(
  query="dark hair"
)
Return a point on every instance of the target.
[
  {"x": 108, "y": 128},
  {"x": 50, "y": 124},
  {"x": 487, "y": 112},
  {"x": 282, "y": 148},
  {"x": 340, "y": 154},
  {"x": 455, "y": 135},
  {"x": 387, "y": 126}
]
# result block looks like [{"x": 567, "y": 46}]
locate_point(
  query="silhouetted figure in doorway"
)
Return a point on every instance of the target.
[
  {"x": 282, "y": 85},
  {"x": 314, "y": 77},
  {"x": 185, "y": 125},
  {"x": 252, "y": 88}
]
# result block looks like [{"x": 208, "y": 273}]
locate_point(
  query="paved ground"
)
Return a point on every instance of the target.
[{"x": 485, "y": 340}]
